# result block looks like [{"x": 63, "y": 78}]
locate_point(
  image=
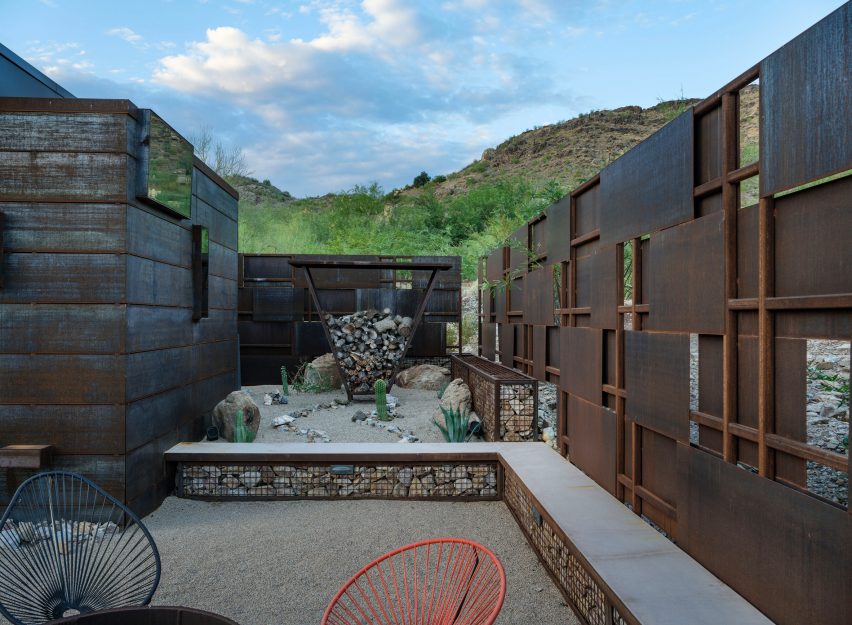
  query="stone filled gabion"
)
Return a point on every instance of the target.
[
  {"x": 368, "y": 344},
  {"x": 517, "y": 412},
  {"x": 363, "y": 481}
]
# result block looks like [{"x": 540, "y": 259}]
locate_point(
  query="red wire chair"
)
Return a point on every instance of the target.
[{"x": 443, "y": 581}]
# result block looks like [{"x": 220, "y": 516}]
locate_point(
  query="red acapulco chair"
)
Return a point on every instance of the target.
[{"x": 443, "y": 581}]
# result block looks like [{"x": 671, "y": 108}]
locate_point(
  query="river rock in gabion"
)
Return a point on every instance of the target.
[
  {"x": 368, "y": 345},
  {"x": 226, "y": 410}
]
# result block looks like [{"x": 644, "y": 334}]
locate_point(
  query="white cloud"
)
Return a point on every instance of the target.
[{"x": 125, "y": 33}]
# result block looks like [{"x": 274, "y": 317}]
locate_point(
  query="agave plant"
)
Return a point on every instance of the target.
[{"x": 456, "y": 427}]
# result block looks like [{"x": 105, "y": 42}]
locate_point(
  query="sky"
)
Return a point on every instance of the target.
[{"x": 322, "y": 95}]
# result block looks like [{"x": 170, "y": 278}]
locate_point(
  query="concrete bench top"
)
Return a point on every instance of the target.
[{"x": 657, "y": 581}]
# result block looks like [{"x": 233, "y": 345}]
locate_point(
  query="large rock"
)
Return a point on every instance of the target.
[
  {"x": 456, "y": 396},
  {"x": 323, "y": 373},
  {"x": 426, "y": 377},
  {"x": 226, "y": 410}
]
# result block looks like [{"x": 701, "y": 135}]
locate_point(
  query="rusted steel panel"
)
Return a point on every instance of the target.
[
  {"x": 222, "y": 293},
  {"x": 609, "y": 358},
  {"x": 450, "y": 279},
  {"x": 687, "y": 291},
  {"x": 747, "y": 252},
  {"x": 430, "y": 340},
  {"x": 659, "y": 468},
  {"x": 747, "y": 379},
  {"x": 588, "y": 209},
  {"x": 604, "y": 295},
  {"x": 208, "y": 191},
  {"x": 645, "y": 248},
  {"x": 223, "y": 262},
  {"x": 791, "y": 404},
  {"x": 815, "y": 324},
  {"x": 813, "y": 255},
  {"x": 401, "y": 302},
  {"x": 222, "y": 229},
  {"x": 489, "y": 340},
  {"x": 538, "y": 235},
  {"x": 106, "y": 471},
  {"x": 553, "y": 358},
  {"x": 212, "y": 359},
  {"x": 64, "y": 227},
  {"x": 708, "y": 146},
  {"x": 44, "y": 379},
  {"x": 283, "y": 304},
  {"x": 656, "y": 371},
  {"x": 805, "y": 106},
  {"x": 494, "y": 265},
  {"x": 155, "y": 371},
  {"x": 559, "y": 230},
  {"x": 153, "y": 416},
  {"x": 649, "y": 187},
  {"x": 158, "y": 284},
  {"x": 63, "y": 278},
  {"x": 708, "y": 204},
  {"x": 257, "y": 267},
  {"x": 710, "y": 392},
  {"x": 736, "y": 523},
  {"x": 219, "y": 325},
  {"x": 70, "y": 132},
  {"x": 86, "y": 429},
  {"x": 507, "y": 345},
  {"x": 441, "y": 302},
  {"x": 158, "y": 238},
  {"x": 592, "y": 433},
  {"x": 61, "y": 329},
  {"x": 516, "y": 297},
  {"x": 335, "y": 300},
  {"x": 153, "y": 327},
  {"x": 264, "y": 367},
  {"x": 64, "y": 177},
  {"x": 539, "y": 355},
  {"x": 269, "y": 333},
  {"x": 519, "y": 250},
  {"x": 584, "y": 284},
  {"x": 538, "y": 296},
  {"x": 309, "y": 339},
  {"x": 581, "y": 370},
  {"x": 499, "y": 292}
]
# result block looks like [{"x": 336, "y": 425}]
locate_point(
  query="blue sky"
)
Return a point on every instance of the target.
[{"x": 326, "y": 94}]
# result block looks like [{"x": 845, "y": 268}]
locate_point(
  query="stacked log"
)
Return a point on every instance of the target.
[{"x": 368, "y": 345}]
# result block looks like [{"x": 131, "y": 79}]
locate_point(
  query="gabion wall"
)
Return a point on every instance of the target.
[
  {"x": 587, "y": 598},
  {"x": 356, "y": 481}
]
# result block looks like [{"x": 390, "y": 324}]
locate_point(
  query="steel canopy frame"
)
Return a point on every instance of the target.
[{"x": 307, "y": 265}]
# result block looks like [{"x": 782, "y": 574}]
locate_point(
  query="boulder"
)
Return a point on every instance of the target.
[
  {"x": 456, "y": 396},
  {"x": 426, "y": 377},
  {"x": 323, "y": 373},
  {"x": 226, "y": 410}
]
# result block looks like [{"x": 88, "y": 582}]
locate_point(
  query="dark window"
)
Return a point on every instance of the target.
[{"x": 200, "y": 267}]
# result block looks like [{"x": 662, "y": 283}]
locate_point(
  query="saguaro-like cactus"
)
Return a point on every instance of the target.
[
  {"x": 381, "y": 400},
  {"x": 285, "y": 389}
]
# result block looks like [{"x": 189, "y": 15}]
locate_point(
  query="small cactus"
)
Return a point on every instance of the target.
[
  {"x": 381, "y": 400},
  {"x": 285, "y": 389}
]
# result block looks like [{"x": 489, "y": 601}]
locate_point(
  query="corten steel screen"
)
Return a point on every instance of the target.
[
  {"x": 737, "y": 262},
  {"x": 279, "y": 325}
]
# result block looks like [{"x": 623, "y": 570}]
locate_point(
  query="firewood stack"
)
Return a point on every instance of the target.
[{"x": 368, "y": 344}]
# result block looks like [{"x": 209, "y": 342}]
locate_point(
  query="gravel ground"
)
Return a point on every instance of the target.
[
  {"x": 280, "y": 562},
  {"x": 416, "y": 407}
]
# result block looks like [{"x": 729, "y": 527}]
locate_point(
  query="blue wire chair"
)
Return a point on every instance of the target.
[{"x": 68, "y": 547}]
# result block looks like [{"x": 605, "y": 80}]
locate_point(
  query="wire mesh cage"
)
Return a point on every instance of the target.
[
  {"x": 67, "y": 545},
  {"x": 504, "y": 399}
]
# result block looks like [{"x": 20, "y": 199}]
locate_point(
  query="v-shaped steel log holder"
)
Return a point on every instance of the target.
[{"x": 307, "y": 265}]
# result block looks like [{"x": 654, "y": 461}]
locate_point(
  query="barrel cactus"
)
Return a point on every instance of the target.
[{"x": 380, "y": 387}]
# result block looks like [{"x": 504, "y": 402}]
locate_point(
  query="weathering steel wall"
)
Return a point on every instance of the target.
[
  {"x": 99, "y": 355},
  {"x": 750, "y": 277}
]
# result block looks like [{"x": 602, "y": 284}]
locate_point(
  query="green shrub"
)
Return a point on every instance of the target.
[
  {"x": 421, "y": 179},
  {"x": 456, "y": 425}
]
